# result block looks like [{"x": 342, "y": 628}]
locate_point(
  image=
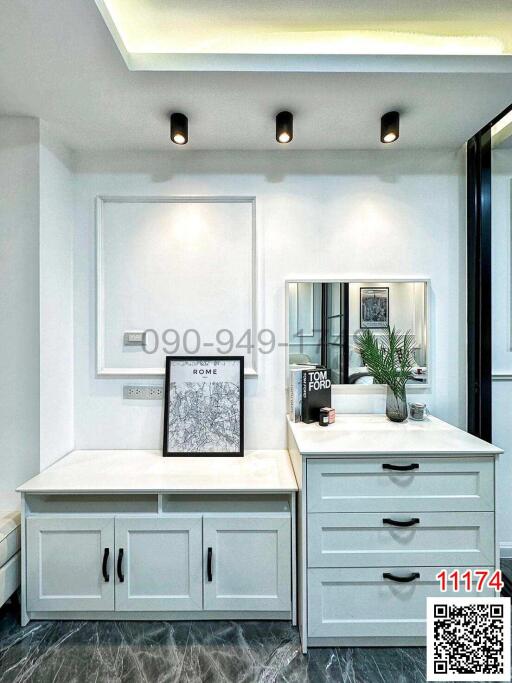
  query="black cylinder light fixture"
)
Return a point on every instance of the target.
[
  {"x": 179, "y": 129},
  {"x": 284, "y": 127},
  {"x": 390, "y": 127}
]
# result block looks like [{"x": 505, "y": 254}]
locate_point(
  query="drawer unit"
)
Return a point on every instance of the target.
[
  {"x": 351, "y": 603},
  {"x": 383, "y": 508},
  {"x": 400, "y": 484},
  {"x": 394, "y": 539}
]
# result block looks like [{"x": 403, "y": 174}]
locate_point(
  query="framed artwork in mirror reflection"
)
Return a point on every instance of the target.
[{"x": 374, "y": 306}]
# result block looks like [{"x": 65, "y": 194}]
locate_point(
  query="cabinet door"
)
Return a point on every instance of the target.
[
  {"x": 159, "y": 563},
  {"x": 66, "y": 557},
  {"x": 247, "y": 563}
]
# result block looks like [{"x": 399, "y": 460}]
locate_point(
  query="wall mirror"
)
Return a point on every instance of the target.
[{"x": 324, "y": 317}]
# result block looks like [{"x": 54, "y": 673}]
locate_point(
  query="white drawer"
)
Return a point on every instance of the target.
[
  {"x": 368, "y": 485},
  {"x": 10, "y": 545},
  {"x": 10, "y": 576},
  {"x": 371, "y": 540},
  {"x": 351, "y": 603}
]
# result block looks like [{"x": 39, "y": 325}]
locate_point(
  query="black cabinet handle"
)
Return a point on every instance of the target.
[
  {"x": 401, "y": 468},
  {"x": 397, "y": 522},
  {"x": 106, "y": 575},
  {"x": 209, "y": 565},
  {"x": 401, "y": 579},
  {"x": 120, "y": 565}
]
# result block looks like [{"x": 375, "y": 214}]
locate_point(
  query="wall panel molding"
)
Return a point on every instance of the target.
[{"x": 103, "y": 368}]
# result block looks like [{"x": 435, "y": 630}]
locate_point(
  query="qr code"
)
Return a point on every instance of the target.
[{"x": 468, "y": 639}]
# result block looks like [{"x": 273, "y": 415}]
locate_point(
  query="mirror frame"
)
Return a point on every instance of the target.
[{"x": 364, "y": 388}]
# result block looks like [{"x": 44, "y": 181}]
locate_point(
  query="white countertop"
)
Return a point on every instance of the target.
[
  {"x": 130, "y": 471},
  {"x": 375, "y": 434}
]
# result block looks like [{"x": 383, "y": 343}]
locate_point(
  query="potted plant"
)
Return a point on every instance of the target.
[{"x": 390, "y": 360}]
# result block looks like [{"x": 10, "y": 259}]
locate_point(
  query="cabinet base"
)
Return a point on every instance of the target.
[
  {"x": 161, "y": 616},
  {"x": 377, "y": 641}
]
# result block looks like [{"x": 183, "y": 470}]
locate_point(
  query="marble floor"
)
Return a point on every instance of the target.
[
  {"x": 154, "y": 652},
  {"x": 188, "y": 652}
]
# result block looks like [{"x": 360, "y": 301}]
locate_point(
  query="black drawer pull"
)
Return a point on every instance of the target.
[
  {"x": 106, "y": 575},
  {"x": 397, "y": 522},
  {"x": 209, "y": 565},
  {"x": 401, "y": 468},
  {"x": 120, "y": 565},
  {"x": 401, "y": 579}
]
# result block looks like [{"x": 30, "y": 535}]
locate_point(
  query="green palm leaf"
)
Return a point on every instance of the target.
[{"x": 389, "y": 358}]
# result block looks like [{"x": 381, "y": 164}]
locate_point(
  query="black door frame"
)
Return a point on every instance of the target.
[{"x": 479, "y": 289}]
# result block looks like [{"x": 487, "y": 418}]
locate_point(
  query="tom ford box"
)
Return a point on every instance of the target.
[{"x": 316, "y": 393}]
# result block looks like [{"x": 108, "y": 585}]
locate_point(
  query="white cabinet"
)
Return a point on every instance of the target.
[
  {"x": 159, "y": 563},
  {"x": 70, "y": 563},
  {"x": 379, "y": 530},
  {"x": 247, "y": 560},
  {"x": 194, "y": 557},
  {"x": 382, "y": 508}
]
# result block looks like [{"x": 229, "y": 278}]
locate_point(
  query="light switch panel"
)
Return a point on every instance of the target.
[{"x": 134, "y": 338}]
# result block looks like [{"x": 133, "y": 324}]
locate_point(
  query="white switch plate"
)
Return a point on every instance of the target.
[
  {"x": 143, "y": 392},
  {"x": 134, "y": 338}
]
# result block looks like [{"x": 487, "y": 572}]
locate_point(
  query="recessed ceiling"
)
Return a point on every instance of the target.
[
  {"x": 59, "y": 63},
  {"x": 300, "y": 34}
]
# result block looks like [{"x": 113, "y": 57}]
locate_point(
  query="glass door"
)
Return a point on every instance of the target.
[{"x": 335, "y": 330}]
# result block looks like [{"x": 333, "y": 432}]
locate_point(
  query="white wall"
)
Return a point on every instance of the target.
[
  {"x": 383, "y": 214},
  {"x": 56, "y": 299},
  {"x": 502, "y": 335},
  {"x": 19, "y": 300}
]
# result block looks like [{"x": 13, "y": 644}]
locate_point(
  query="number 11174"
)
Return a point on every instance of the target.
[{"x": 469, "y": 580}]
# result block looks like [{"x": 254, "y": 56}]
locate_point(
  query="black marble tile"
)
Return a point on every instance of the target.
[
  {"x": 506, "y": 567},
  {"x": 188, "y": 652}
]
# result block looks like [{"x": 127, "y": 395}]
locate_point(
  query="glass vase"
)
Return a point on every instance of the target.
[{"x": 396, "y": 406}]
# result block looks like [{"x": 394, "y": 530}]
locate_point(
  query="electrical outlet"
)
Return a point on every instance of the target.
[{"x": 143, "y": 392}]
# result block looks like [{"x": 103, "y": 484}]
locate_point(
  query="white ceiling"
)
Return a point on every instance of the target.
[{"x": 58, "y": 61}]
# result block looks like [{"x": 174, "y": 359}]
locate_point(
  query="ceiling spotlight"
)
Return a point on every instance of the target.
[
  {"x": 179, "y": 129},
  {"x": 284, "y": 127},
  {"x": 390, "y": 127}
]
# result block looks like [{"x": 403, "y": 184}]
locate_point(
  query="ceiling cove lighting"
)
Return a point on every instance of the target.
[
  {"x": 179, "y": 129},
  {"x": 390, "y": 127},
  {"x": 284, "y": 127}
]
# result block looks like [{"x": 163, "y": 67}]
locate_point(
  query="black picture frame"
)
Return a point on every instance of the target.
[
  {"x": 200, "y": 361},
  {"x": 365, "y": 325}
]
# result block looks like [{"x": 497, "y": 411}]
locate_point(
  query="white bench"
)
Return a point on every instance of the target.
[{"x": 10, "y": 554}]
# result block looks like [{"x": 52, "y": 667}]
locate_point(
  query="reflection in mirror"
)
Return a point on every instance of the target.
[{"x": 324, "y": 317}]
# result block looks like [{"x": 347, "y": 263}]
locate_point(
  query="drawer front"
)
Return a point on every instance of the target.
[
  {"x": 365, "y": 485},
  {"x": 354, "y": 603},
  {"x": 366, "y": 540},
  {"x": 10, "y": 577}
]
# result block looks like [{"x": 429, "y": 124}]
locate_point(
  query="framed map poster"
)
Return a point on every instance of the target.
[{"x": 204, "y": 406}]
